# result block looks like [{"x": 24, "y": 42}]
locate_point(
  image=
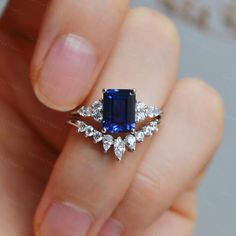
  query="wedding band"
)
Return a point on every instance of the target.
[{"x": 118, "y": 116}]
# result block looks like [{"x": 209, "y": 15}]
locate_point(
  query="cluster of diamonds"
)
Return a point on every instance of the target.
[
  {"x": 94, "y": 111},
  {"x": 119, "y": 145},
  {"x": 142, "y": 111}
]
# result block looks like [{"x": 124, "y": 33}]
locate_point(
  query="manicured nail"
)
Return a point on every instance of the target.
[
  {"x": 66, "y": 72},
  {"x": 111, "y": 228},
  {"x": 65, "y": 220}
]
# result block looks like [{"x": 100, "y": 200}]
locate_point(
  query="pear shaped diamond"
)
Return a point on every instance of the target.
[
  {"x": 119, "y": 147},
  {"x": 130, "y": 142},
  {"x": 107, "y": 142}
]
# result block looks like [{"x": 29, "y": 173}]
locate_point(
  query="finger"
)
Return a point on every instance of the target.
[
  {"x": 16, "y": 18},
  {"x": 190, "y": 134},
  {"x": 75, "y": 40},
  {"x": 146, "y": 57},
  {"x": 179, "y": 220}
]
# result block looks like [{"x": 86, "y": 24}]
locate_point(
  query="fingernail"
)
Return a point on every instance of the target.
[
  {"x": 111, "y": 228},
  {"x": 66, "y": 72},
  {"x": 65, "y": 220}
]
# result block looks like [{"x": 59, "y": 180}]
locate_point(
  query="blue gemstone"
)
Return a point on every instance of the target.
[{"x": 119, "y": 110}]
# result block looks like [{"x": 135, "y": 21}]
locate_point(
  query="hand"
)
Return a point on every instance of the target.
[{"x": 84, "y": 46}]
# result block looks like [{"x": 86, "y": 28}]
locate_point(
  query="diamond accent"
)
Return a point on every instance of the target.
[
  {"x": 140, "y": 116},
  {"x": 107, "y": 142},
  {"x": 130, "y": 142},
  {"x": 98, "y": 116},
  {"x": 117, "y": 112},
  {"x": 81, "y": 126},
  {"x": 154, "y": 126},
  {"x": 97, "y": 106},
  {"x": 85, "y": 111},
  {"x": 140, "y": 106},
  {"x": 147, "y": 130},
  {"x": 153, "y": 111},
  {"x": 119, "y": 147},
  {"x": 139, "y": 136},
  {"x": 97, "y": 136},
  {"x": 141, "y": 111},
  {"x": 89, "y": 131}
]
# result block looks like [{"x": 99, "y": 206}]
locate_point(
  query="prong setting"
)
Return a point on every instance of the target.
[
  {"x": 104, "y": 90},
  {"x": 105, "y": 136},
  {"x": 133, "y": 91}
]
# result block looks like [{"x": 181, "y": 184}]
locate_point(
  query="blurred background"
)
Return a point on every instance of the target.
[{"x": 208, "y": 34}]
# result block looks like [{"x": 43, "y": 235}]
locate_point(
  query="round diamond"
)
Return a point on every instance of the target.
[
  {"x": 139, "y": 136},
  {"x": 98, "y": 116},
  {"x": 81, "y": 126},
  {"x": 130, "y": 142},
  {"x": 140, "y": 116},
  {"x": 147, "y": 130},
  {"x": 107, "y": 142},
  {"x": 97, "y": 136},
  {"x": 85, "y": 111},
  {"x": 153, "y": 125},
  {"x": 140, "y": 106},
  {"x": 153, "y": 112},
  {"x": 97, "y": 106},
  {"x": 89, "y": 131},
  {"x": 141, "y": 111}
]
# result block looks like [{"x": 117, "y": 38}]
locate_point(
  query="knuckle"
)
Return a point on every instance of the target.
[
  {"x": 202, "y": 100},
  {"x": 146, "y": 197},
  {"x": 147, "y": 184},
  {"x": 146, "y": 18},
  {"x": 209, "y": 100}
]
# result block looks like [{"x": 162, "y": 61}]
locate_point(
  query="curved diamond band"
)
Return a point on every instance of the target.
[{"x": 118, "y": 113}]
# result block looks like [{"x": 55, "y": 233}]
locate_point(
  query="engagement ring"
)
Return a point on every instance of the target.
[{"x": 122, "y": 120}]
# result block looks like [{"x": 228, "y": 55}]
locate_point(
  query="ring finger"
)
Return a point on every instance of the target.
[{"x": 146, "y": 57}]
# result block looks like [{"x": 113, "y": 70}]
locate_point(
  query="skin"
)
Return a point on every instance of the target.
[{"x": 42, "y": 161}]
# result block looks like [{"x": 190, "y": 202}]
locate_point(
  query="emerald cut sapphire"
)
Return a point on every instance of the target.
[{"x": 119, "y": 110}]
